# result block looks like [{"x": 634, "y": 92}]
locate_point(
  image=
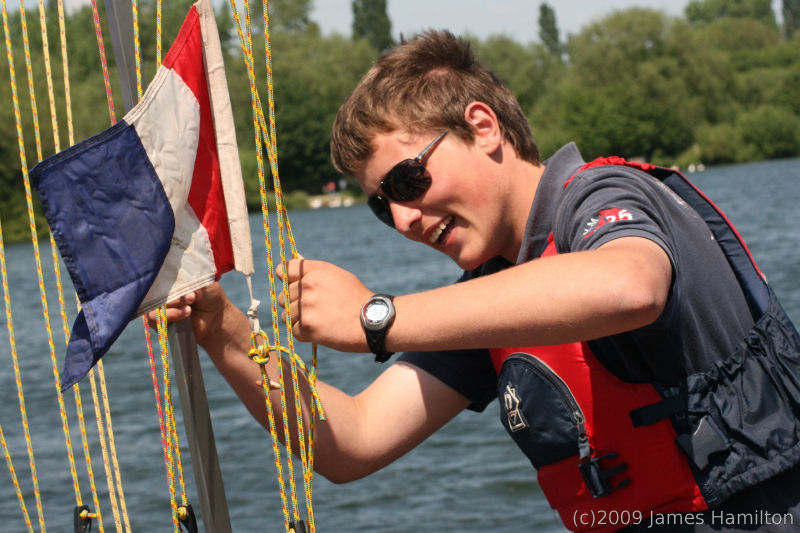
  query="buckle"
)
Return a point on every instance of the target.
[{"x": 597, "y": 478}]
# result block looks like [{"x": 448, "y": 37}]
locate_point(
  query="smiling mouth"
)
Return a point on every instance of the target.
[{"x": 440, "y": 229}]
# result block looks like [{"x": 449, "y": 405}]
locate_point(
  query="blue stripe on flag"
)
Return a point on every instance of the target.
[{"x": 113, "y": 224}]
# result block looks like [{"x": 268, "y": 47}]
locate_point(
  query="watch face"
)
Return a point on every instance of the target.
[{"x": 376, "y": 312}]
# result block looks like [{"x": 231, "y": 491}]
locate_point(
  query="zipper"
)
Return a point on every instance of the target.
[{"x": 561, "y": 387}]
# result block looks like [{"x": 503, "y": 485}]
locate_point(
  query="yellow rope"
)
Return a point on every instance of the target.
[
  {"x": 14, "y": 480},
  {"x": 65, "y": 426},
  {"x": 54, "y": 257},
  {"x": 165, "y": 447},
  {"x": 12, "y": 343},
  {"x": 283, "y": 219},
  {"x": 246, "y": 46},
  {"x": 31, "y": 92},
  {"x": 108, "y": 446},
  {"x": 267, "y": 133},
  {"x": 158, "y": 33},
  {"x": 65, "y": 67},
  {"x": 35, "y": 241},
  {"x": 85, "y": 441},
  {"x": 169, "y": 435},
  {"x": 169, "y": 432},
  {"x": 98, "y": 31},
  {"x": 172, "y": 436},
  {"x": 104, "y": 452},
  {"x": 49, "y": 75},
  {"x": 56, "y": 263},
  {"x": 261, "y": 131},
  {"x": 261, "y": 356},
  {"x": 23, "y": 162},
  {"x": 137, "y": 47},
  {"x": 112, "y": 446}
]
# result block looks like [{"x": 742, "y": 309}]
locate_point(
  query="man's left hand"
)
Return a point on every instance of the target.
[{"x": 325, "y": 304}]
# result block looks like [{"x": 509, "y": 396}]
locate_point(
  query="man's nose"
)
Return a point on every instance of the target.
[{"x": 404, "y": 216}]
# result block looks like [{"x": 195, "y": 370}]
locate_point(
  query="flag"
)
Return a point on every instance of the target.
[{"x": 153, "y": 207}]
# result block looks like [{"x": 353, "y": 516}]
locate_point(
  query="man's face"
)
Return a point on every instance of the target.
[{"x": 461, "y": 213}]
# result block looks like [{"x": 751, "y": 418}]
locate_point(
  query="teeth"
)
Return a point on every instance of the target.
[{"x": 438, "y": 231}]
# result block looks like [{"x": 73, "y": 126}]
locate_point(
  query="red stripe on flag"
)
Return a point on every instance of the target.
[{"x": 206, "y": 198}]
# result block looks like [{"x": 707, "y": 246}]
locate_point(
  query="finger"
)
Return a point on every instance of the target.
[
  {"x": 273, "y": 385},
  {"x": 292, "y": 310},
  {"x": 294, "y": 270},
  {"x": 152, "y": 319},
  {"x": 294, "y": 291},
  {"x": 173, "y": 314},
  {"x": 186, "y": 299},
  {"x": 177, "y": 314},
  {"x": 290, "y": 267},
  {"x": 298, "y": 332}
]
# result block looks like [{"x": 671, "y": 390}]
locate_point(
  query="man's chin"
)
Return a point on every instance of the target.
[{"x": 468, "y": 262}]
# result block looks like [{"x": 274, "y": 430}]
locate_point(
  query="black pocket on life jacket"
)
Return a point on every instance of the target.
[
  {"x": 540, "y": 412},
  {"x": 754, "y": 395},
  {"x": 739, "y": 421}
]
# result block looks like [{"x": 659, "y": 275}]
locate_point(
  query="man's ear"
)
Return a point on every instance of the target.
[{"x": 485, "y": 126}]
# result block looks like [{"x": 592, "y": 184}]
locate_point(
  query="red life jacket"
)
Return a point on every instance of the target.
[{"x": 597, "y": 468}]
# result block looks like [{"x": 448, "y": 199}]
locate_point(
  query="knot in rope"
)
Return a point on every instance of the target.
[{"x": 259, "y": 351}]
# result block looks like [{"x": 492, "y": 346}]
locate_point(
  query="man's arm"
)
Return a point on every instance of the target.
[
  {"x": 621, "y": 286},
  {"x": 362, "y": 433}
]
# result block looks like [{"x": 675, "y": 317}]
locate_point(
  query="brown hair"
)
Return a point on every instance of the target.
[{"x": 424, "y": 84}]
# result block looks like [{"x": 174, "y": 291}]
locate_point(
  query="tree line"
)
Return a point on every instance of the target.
[{"x": 719, "y": 84}]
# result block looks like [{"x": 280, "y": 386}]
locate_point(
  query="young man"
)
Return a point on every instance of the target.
[{"x": 596, "y": 303}]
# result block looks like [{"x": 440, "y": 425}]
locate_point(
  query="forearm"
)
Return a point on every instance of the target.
[
  {"x": 559, "y": 299},
  {"x": 345, "y": 449}
]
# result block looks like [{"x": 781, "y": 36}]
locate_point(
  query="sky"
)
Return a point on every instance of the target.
[{"x": 517, "y": 19}]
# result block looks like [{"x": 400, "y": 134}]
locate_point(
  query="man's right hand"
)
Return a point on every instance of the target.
[{"x": 205, "y": 307}]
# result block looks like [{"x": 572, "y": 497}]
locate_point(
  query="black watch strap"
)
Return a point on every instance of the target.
[{"x": 376, "y": 340}]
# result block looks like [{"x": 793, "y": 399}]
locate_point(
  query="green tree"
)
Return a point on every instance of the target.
[
  {"x": 624, "y": 93},
  {"x": 608, "y": 49},
  {"x": 710, "y": 10},
  {"x": 791, "y": 17},
  {"x": 548, "y": 31},
  {"x": 313, "y": 75},
  {"x": 526, "y": 69},
  {"x": 291, "y": 15},
  {"x": 768, "y": 132},
  {"x": 788, "y": 91},
  {"x": 719, "y": 143},
  {"x": 371, "y": 22}
]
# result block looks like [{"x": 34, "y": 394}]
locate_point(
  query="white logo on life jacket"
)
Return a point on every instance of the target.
[{"x": 516, "y": 420}]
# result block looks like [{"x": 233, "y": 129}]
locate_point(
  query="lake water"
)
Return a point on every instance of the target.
[{"x": 469, "y": 477}]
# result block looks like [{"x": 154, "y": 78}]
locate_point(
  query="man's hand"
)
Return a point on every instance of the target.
[
  {"x": 325, "y": 303},
  {"x": 205, "y": 307}
]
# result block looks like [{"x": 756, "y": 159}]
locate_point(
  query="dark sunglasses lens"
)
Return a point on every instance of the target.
[
  {"x": 380, "y": 207},
  {"x": 406, "y": 181}
]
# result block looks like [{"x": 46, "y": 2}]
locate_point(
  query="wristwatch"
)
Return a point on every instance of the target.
[{"x": 377, "y": 315}]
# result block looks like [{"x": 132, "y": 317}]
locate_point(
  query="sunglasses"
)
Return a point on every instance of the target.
[{"x": 405, "y": 182}]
